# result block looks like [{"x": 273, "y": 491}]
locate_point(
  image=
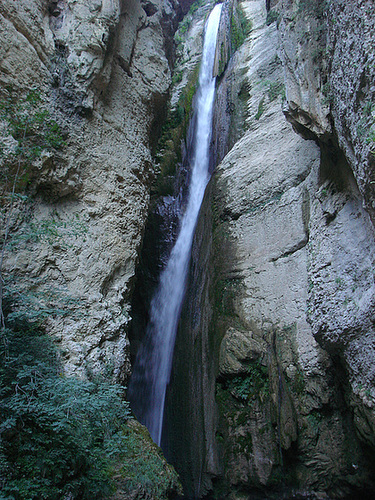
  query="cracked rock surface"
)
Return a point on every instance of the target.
[
  {"x": 294, "y": 261},
  {"x": 102, "y": 70}
]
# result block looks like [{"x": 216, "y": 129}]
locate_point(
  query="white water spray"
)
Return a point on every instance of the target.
[{"x": 154, "y": 360}]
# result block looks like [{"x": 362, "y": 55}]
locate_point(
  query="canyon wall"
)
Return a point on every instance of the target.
[
  {"x": 292, "y": 255},
  {"x": 83, "y": 92},
  {"x": 100, "y": 71},
  {"x": 275, "y": 393}
]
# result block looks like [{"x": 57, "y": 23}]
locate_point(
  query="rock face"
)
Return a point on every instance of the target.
[
  {"x": 101, "y": 71},
  {"x": 351, "y": 88},
  {"x": 276, "y": 390},
  {"x": 341, "y": 299},
  {"x": 281, "y": 296}
]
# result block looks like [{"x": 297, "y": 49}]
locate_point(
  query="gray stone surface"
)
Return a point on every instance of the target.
[
  {"x": 331, "y": 73},
  {"x": 103, "y": 74},
  {"x": 297, "y": 287}
]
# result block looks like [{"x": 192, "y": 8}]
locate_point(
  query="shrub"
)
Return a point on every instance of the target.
[
  {"x": 28, "y": 122},
  {"x": 57, "y": 434},
  {"x": 253, "y": 385}
]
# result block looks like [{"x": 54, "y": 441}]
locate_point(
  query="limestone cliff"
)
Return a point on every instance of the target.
[
  {"x": 100, "y": 71},
  {"x": 297, "y": 290},
  {"x": 278, "y": 381},
  {"x": 279, "y": 311},
  {"x": 341, "y": 297}
]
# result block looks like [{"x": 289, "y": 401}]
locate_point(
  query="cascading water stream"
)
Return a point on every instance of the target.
[{"x": 153, "y": 364}]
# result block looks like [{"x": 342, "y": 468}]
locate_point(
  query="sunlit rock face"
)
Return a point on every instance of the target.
[
  {"x": 281, "y": 294},
  {"x": 332, "y": 66},
  {"x": 102, "y": 71}
]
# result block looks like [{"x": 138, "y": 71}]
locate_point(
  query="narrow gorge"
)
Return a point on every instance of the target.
[
  {"x": 271, "y": 390},
  {"x": 152, "y": 369}
]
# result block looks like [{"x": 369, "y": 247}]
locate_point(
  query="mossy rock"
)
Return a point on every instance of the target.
[{"x": 142, "y": 471}]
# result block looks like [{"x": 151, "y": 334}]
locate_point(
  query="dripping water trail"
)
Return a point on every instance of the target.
[{"x": 153, "y": 363}]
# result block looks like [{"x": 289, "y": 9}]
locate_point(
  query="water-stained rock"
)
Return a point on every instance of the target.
[{"x": 271, "y": 193}]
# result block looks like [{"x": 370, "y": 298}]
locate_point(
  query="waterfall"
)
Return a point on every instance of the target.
[{"x": 153, "y": 363}]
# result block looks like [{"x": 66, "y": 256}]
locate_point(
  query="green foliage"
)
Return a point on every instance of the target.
[
  {"x": 30, "y": 124},
  {"x": 28, "y": 129},
  {"x": 177, "y": 77},
  {"x": 366, "y": 126},
  {"x": 275, "y": 89},
  {"x": 222, "y": 59},
  {"x": 314, "y": 420},
  {"x": 184, "y": 25},
  {"x": 52, "y": 230},
  {"x": 58, "y": 435},
  {"x": 56, "y": 230},
  {"x": 327, "y": 93},
  {"x": 272, "y": 16},
  {"x": 237, "y": 36},
  {"x": 168, "y": 152},
  {"x": 40, "y": 300},
  {"x": 371, "y": 136},
  {"x": 254, "y": 385},
  {"x": 195, "y": 6},
  {"x": 38, "y": 303},
  {"x": 299, "y": 384},
  {"x": 188, "y": 97},
  {"x": 240, "y": 27},
  {"x": 368, "y": 108}
]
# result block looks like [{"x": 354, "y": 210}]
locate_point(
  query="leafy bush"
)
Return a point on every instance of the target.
[
  {"x": 52, "y": 230},
  {"x": 27, "y": 120},
  {"x": 253, "y": 385},
  {"x": 185, "y": 24},
  {"x": 57, "y": 434},
  {"x": 30, "y": 124},
  {"x": 27, "y": 130}
]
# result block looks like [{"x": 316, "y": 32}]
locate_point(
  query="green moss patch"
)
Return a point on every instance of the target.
[
  {"x": 168, "y": 153},
  {"x": 240, "y": 27},
  {"x": 143, "y": 468}
]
